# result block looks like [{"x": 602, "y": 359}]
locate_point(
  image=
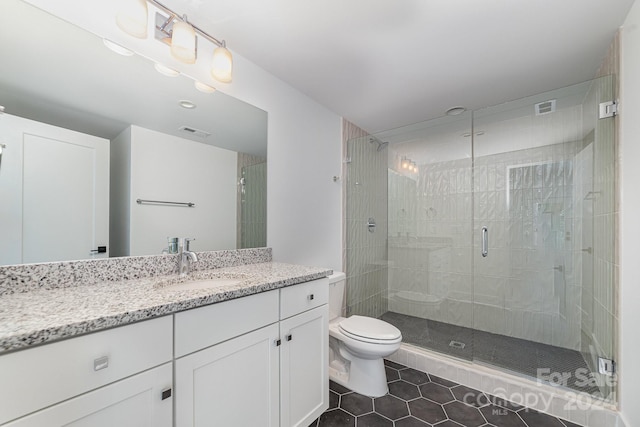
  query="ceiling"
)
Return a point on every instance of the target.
[{"x": 387, "y": 63}]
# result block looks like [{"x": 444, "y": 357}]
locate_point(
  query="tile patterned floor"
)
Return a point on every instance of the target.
[
  {"x": 513, "y": 354},
  {"x": 417, "y": 399}
]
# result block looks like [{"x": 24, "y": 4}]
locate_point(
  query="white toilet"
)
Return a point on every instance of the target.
[{"x": 357, "y": 345}]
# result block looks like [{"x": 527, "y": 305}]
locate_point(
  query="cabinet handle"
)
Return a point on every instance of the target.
[
  {"x": 288, "y": 337},
  {"x": 310, "y": 297},
  {"x": 277, "y": 342},
  {"x": 101, "y": 363},
  {"x": 166, "y": 393}
]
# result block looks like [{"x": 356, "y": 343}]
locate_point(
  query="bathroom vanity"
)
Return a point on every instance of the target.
[{"x": 249, "y": 347}]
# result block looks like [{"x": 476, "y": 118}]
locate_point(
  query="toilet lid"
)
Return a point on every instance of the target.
[{"x": 368, "y": 327}]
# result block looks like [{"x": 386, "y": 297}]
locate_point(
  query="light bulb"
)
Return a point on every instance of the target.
[
  {"x": 132, "y": 18},
  {"x": 183, "y": 42},
  {"x": 222, "y": 65}
]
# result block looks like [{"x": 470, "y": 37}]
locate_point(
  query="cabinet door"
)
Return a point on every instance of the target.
[
  {"x": 135, "y": 401},
  {"x": 234, "y": 383},
  {"x": 304, "y": 359}
]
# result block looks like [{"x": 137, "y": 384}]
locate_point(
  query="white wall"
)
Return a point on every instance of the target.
[
  {"x": 630, "y": 224},
  {"x": 304, "y": 142},
  {"x": 168, "y": 168}
]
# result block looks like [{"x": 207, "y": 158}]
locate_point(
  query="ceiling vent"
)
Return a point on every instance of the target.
[
  {"x": 195, "y": 132},
  {"x": 545, "y": 107}
]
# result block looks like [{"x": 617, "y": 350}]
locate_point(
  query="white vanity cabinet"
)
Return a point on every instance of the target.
[
  {"x": 233, "y": 380},
  {"x": 92, "y": 380},
  {"x": 259, "y": 360},
  {"x": 304, "y": 354},
  {"x": 255, "y": 361}
]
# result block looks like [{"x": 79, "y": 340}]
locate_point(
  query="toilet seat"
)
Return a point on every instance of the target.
[{"x": 368, "y": 329}]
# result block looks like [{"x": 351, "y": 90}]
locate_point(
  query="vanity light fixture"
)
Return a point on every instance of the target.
[
  {"x": 222, "y": 64},
  {"x": 115, "y": 47},
  {"x": 166, "y": 71},
  {"x": 204, "y": 88},
  {"x": 181, "y": 35},
  {"x": 404, "y": 163},
  {"x": 183, "y": 41}
]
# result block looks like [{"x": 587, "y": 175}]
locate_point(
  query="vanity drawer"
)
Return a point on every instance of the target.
[
  {"x": 38, "y": 377},
  {"x": 212, "y": 324},
  {"x": 302, "y": 297}
]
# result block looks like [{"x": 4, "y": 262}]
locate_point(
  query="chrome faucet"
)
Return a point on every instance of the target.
[{"x": 186, "y": 257}]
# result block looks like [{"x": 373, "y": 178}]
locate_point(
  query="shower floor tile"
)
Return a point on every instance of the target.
[
  {"x": 513, "y": 354},
  {"x": 434, "y": 402}
]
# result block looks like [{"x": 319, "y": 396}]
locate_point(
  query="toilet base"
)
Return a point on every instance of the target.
[{"x": 366, "y": 377}]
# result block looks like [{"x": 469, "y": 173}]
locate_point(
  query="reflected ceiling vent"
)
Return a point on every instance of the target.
[
  {"x": 545, "y": 107},
  {"x": 195, "y": 132}
]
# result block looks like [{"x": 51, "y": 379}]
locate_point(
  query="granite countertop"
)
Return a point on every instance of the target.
[{"x": 41, "y": 316}]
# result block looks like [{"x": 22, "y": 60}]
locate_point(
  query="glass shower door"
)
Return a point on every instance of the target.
[
  {"x": 543, "y": 188},
  {"x": 430, "y": 287}
]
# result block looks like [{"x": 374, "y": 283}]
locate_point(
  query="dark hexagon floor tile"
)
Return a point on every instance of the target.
[
  {"x": 414, "y": 376},
  {"x": 442, "y": 381},
  {"x": 470, "y": 396},
  {"x": 411, "y": 422},
  {"x": 336, "y": 418},
  {"x": 427, "y": 411},
  {"x": 315, "y": 423},
  {"x": 448, "y": 423},
  {"x": 466, "y": 415},
  {"x": 393, "y": 365},
  {"x": 334, "y": 400},
  {"x": 436, "y": 392},
  {"x": 501, "y": 417},
  {"x": 391, "y": 407},
  {"x": 404, "y": 390},
  {"x": 392, "y": 374},
  {"x": 534, "y": 418},
  {"x": 356, "y": 404},
  {"x": 373, "y": 420},
  {"x": 340, "y": 389}
]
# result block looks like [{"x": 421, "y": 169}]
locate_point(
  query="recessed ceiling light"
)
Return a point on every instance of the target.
[
  {"x": 455, "y": 111},
  {"x": 166, "y": 71},
  {"x": 203, "y": 87},
  {"x": 121, "y": 50},
  {"x": 187, "y": 104}
]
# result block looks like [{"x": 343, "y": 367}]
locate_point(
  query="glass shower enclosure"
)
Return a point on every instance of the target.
[{"x": 494, "y": 236}]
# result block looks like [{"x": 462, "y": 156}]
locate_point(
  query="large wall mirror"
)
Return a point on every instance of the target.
[{"x": 87, "y": 133}]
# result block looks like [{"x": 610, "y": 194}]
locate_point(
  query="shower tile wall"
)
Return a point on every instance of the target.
[
  {"x": 251, "y": 202},
  {"x": 430, "y": 242},
  {"x": 524, "y": 198},
  {"x": 526, "y": 287},
  {"x": 365, "y": 253}
]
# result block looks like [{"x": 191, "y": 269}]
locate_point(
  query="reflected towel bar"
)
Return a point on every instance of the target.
[{"x": 160, "y": 202}]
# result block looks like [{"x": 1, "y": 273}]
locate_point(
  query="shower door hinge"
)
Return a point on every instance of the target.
[
  {"x": 608, "y": 109},
  {"x": 606, "y": 366}
]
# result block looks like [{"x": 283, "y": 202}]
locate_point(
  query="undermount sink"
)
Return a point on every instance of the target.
[{"x": 192, "y": 284}]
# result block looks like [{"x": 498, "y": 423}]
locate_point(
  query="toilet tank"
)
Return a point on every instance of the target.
[{"x": 337, "y": 299}]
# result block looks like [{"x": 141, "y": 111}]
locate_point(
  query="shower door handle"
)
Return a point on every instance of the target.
[{"x": 485, "y": 241}]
